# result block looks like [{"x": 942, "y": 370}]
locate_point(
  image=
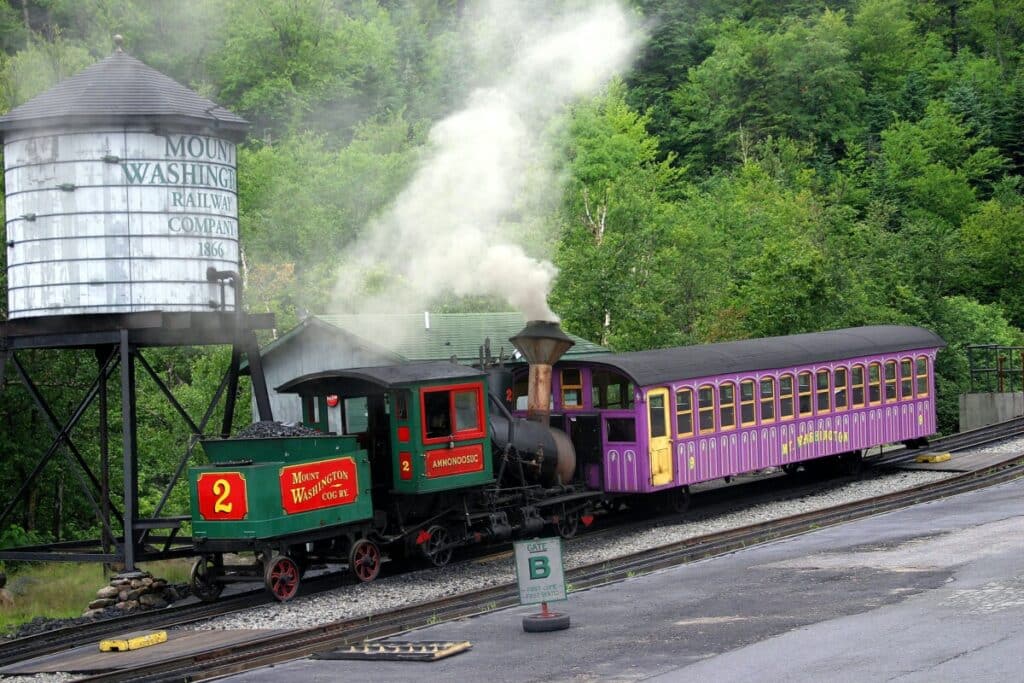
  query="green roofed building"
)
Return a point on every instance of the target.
[{"x": 329, "y": 342}]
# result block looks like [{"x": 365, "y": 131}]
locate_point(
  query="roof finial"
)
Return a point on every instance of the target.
[{"x": 118, "y": 42}]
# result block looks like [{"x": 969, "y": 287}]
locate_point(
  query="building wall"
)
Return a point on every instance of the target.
[
  {"x": 314, "y": 350},
  {"x": 978, "y": 410}
]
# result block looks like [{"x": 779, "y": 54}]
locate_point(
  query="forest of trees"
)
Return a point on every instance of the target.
[{"x": 765, "y": 167}]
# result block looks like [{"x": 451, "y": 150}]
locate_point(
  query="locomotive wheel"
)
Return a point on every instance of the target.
[
  {"x": 201, "y": 579},
  {"x": 568, "y": 523},
  {"x": 364, "y": 560},
  {"x": 790, "y": 468},
  {"x": 434, "y": 548},
  {"x": 282, "y": 577}
]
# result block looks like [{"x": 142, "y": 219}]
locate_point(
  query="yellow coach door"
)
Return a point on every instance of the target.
[{"x": 658, "y": 439}]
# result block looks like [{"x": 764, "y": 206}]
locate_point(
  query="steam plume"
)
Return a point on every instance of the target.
[{"x": 449, "y": 231}]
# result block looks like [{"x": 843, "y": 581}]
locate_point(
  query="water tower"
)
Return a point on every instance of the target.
[{"x": 122, "y": 234}]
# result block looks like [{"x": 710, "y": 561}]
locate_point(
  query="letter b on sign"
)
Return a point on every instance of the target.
[{"x": 539, "y": 568}]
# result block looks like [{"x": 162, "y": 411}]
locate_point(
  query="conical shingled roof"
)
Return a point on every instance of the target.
[{"x": 121, "y": 89}]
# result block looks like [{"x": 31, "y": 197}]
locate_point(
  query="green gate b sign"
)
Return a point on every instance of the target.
[{"x": 539, "y": 570}]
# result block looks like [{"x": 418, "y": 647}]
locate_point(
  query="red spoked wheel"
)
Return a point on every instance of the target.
[
  {"x": 364, "y": 560},
  {"x": 282, "y": 577}
]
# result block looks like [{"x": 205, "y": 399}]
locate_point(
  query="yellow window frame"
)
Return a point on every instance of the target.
[
  {"x": 843, "y": 386},
  {"x": 875, "y": 383},
  {"x": 567, "y": 388},
  {"x": 823, "y": 392},
  {"x": 703, "y": 409},
  {"x": 680, "y": 412},
  {"x": 921, "y": 376},
  {"x": 767, "y": 400},
  {"x": 891, "y": 382},
  {"x": 723, "y": 406},
  {"x": 861, "y": 385},
  {"x": 808, "y": 393},
  {"x": 784, "y": 395},
  {"x": 748, "y": 403},
  {"x": 906, "y": 379}
]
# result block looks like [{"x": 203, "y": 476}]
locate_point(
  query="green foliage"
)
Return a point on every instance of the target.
[
  {"x": 764, "y": 168},
  {"x": 796, "y": 82}
]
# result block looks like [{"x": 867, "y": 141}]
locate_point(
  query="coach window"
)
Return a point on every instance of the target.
[
  {"x": 610, "y": 390},
  {"x": 767, "y": 400},
  {"x": 684, "y": 413},
  {"x": 906, "y": 379},
  {"x": 824, "y": 389},
  {"x": 706, "y": 408},
  {"x": 572, "y": 388},
  {"x": 747, "y": 403},
  {"x": 840, "y": 390},
  {"x": 804, "y": 379},
  {"x": 786, "y": 397},
  {"x": 922, "y": 376},
  {"x": 890, "y": 381},
  {"x": 857, "y": 390},
  {"x": 874, "y": 384},
  {"x": 521, "y": 390},
  {"x": 727, "y": 405},
  {"x": 621, "y": 429}
]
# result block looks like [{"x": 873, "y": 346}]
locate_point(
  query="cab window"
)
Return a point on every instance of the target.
[{"x": 453, "y": 412}]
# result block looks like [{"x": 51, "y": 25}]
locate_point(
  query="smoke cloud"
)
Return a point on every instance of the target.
[{"x": 486, "y": 178}]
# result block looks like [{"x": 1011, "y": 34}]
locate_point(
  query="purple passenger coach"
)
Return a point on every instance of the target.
[{"x": 661, "y": 420}]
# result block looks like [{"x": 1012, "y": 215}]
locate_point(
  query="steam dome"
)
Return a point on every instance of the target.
[{"x": 120, "y": 194}]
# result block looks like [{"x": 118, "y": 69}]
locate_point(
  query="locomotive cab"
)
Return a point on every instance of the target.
[{"x": 425, "y": 424}]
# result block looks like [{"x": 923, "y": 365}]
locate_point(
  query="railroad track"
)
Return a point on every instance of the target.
[
  {"x": 712, "y": 502},
  {"x": 298, "y": 644},
  {"x": 56, "y": 640}
]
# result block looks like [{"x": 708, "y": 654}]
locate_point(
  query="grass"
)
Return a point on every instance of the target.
[{"x": 60, "y": 590}]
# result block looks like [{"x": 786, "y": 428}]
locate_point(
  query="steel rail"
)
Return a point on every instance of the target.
[
  {"x": 15, "y": 650},
  {"x": 298, "y": 644}
]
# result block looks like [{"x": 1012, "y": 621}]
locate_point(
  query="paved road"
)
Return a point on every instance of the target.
[{"x": 935, "y": 593}]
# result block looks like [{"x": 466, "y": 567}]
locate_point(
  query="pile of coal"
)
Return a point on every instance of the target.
[
  {"x": 132, "y": 591},
  {"x": 271, "y": 430}
]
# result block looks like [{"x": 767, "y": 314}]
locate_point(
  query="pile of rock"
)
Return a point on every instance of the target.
[{"x": 130, "y": 591}]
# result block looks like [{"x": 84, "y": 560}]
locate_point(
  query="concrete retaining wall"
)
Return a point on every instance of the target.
[{"x": 978, "y": 410}]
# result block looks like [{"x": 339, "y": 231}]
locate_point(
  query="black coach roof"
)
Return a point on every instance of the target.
[
  {"x": 690, "y": 362},
  {"x": 382, "y": 377},
  {"x": 121, "y": 89}
]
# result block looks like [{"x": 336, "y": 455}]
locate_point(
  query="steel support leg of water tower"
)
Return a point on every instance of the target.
[{"x": 129, "y": 436}]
